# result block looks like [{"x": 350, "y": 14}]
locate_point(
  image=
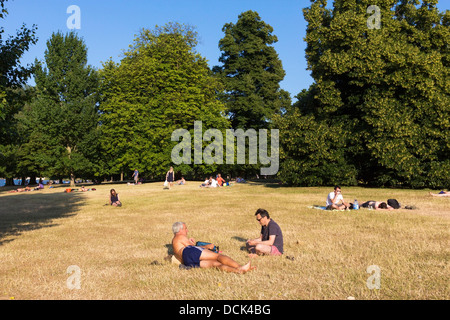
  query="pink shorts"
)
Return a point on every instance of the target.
[{"x": 275, "y": 252}]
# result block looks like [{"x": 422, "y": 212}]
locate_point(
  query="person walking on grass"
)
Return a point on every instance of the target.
[
  {"x": 270, "y": 241},
  {"x": 192, "y": 256},
  {"x": 135, "y": 176},
  {"x": 170, "y": 177}
]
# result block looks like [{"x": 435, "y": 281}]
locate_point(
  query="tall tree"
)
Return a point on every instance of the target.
[
  {"x": 64, "y": 113},
  {"x": 251, "y": 72},
  {"x": 162, "y": 84},
  {"x": 382, "y": 85},
  {"x": 13, "y": 77}
]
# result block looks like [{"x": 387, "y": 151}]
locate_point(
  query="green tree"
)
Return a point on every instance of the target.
[
  {"x": 64, "y": 113},
  {"x": 13, "y": 77},
  {"x": 251, "y": 72},
  {"x": 160, "y": 85},
  {"x": 385, "y": 86}
]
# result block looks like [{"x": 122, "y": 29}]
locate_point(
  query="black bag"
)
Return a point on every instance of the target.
[{"x": 393, "y": 203}]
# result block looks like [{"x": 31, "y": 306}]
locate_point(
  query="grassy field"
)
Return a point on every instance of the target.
[{"x": 121, "y": 251}]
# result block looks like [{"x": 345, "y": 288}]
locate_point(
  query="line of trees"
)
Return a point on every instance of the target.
[{"x": 377, "y": 113}]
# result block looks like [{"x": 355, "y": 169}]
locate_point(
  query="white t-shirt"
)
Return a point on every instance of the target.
[
  {"x": 213, "y": 183},
  {"x": 331, "y": 197}
]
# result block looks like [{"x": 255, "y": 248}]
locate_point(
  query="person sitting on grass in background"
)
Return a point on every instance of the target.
[
  {"x": 192, "y": 256},
  {"x": 270, "y": 242},
  {"x": 205, "y": 184},
  {"x": 40, "y": 185},
  {"x": 220, "y": 180},
  {"x": 114, "y": 199},
  {"x": 181, "y": 182},
  {"x": 335, "y": 200},
  {"x": 213, "y": 183}
]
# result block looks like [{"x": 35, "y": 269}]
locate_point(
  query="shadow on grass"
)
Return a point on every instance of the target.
[
  {"x": 29, "y": 211},
  {"x": 274, "y": 184},
  {"x": 169, "y": 248}
]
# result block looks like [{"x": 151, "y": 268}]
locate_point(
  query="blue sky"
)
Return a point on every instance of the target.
[{"x": 108, "y": 26}]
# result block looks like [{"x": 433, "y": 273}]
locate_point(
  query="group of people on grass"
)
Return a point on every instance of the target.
[
  {"x": 214, "y": 183},
  {"x": 191, "y": 255},
  {"x": 335, "y": 201}
]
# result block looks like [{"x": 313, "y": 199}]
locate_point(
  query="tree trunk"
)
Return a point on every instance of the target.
[
  {"x": 72, "y": 180},
  {"x": 32, "y": 180},
  {"x": 9, "y": 181}
]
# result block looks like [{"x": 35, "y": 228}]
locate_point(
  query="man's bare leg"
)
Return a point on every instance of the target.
[
  {"x": 262, "y": 249},
  {"x": 210, "y": 259}
]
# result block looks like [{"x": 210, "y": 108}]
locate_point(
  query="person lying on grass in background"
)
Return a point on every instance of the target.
[
  {"x": 377, "y": 205},
  {"x": 441, "y": 194},
  {"x": 21, "y": 190},
  {"x": 192, "y": 256}
]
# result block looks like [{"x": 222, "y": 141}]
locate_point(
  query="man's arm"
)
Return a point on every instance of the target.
[
  {"x": 269, "y": 242},
  {"x": 256, "y": 241}
]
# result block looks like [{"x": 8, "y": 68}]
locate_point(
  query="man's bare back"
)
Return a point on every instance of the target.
[{"x": 179, "y": 242}]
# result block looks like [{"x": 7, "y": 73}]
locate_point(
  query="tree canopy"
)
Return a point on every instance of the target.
[
  {"x": 162, "y": 84},
  {"x": 251, "y": 72},
  {"x": 63, "y": 115},
  {"x": 383, "y": 91}
]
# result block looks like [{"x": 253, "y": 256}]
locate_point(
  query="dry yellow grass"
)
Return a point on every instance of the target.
[{"x": 120, "y": 251}]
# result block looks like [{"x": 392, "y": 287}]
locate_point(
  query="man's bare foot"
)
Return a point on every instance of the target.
[{"x": 245, "y": 268}]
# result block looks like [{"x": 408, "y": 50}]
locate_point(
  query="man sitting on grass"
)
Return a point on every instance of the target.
[
  {"x": 270, "y": 241},
  {"x": 335, "y": 200},
  {"x": 192, "y": 256}
]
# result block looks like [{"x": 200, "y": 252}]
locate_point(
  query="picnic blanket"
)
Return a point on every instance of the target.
[{"x": 318, "y": 207}]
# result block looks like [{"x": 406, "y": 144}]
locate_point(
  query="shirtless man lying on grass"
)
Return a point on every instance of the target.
[
  {"x": 200, "y": 257},
  {"x": 441, "y": 194}
]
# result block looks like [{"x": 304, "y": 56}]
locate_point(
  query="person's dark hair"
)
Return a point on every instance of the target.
[
  {"x": 263, "y": 213},
  {"x": 110, "y": 192},
  {"x": 337, "y": 187},
  {"x": 383, "y": 205}
]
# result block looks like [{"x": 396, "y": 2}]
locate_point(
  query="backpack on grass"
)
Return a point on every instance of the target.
[{"x": 394, "y": 203}]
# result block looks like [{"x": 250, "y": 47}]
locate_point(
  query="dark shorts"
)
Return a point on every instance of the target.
[{"x": 191, "y": 256}]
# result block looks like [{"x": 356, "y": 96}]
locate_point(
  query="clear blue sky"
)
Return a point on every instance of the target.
[{"x": 108, "y": 26}]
